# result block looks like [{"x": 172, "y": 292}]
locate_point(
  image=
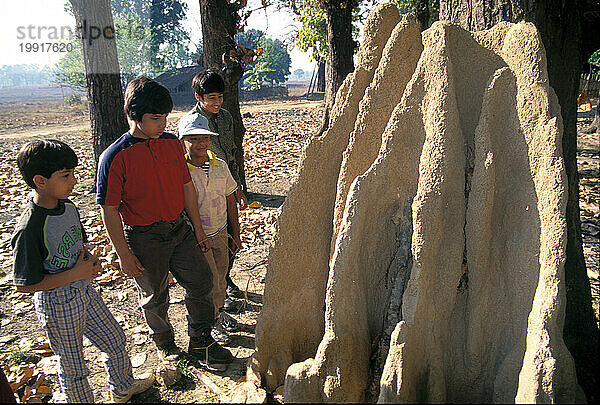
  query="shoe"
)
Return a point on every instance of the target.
[
  {"x": 140, "y": 384},
  {"x": 232, "y": 306},
  {"x": 227, "y": 322},
  {"x": 209, "y": 353},
  {"x": 233, "y": 291},
  {"x": 168, "y": 352},
  {"x": 219, "y": 334}
]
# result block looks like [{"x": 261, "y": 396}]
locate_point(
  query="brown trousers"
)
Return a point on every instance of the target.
[
  {"x": 164, "y": 246},
  {"x": 218, "y": 260}
]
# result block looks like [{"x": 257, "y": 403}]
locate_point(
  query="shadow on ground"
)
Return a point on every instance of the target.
[{"x": 267, "y": 200}]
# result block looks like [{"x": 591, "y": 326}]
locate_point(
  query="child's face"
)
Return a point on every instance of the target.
[
  {"x": 153, "y": 125},
  {"x": 211, "y": 102},
  {"x": 196, "y": 145},
  {"x": 59, "y": 185}
]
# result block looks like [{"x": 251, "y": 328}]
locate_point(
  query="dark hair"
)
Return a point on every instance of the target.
[
  {"x": 145, "y": 96},
  {"x": 208, "y": 81},
  {"x": 44, "y": 158}
]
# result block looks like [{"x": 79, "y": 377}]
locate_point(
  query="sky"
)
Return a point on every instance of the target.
[{"x": 47, "y": 18}]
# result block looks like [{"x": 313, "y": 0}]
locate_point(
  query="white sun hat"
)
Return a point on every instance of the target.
[{"x": 194, "y": 124}]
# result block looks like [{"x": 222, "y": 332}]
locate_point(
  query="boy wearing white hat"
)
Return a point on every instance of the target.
[{"x": 217, "y": 205}]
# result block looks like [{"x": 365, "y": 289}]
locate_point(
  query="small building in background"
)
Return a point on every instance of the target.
[{"x": 179, "y": 83}]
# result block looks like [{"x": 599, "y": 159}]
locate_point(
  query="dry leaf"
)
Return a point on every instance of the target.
[
  {"x": 23, "y": 378},
  {"x": 43, "y": 352},
  {"x": 44, "y": 390},
  {"x": 26, "y": 394}
]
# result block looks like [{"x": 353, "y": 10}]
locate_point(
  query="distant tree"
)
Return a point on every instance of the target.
[
  {"x": 24, "y": 75},
  {"x": 250, "y": 38},
  {"x": 338, "y": 40},
  {"x": 133, "y": 46},
  {"x": 163, "y": 20},
  {"x": 312, "y": 36},
  {"x": 298, "y": 73},
  {"x": 68, "y": 70},
  {"x": 272, "y": 66}
]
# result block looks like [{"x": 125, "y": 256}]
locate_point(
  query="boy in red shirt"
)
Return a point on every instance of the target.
[{"x": 143, "y": 187}]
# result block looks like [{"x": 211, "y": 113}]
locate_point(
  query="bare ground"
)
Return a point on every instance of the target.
[{"x": 273, "y": 143}]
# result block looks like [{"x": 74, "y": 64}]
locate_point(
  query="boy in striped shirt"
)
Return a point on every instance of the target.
[{"x": 216, "y": 190}]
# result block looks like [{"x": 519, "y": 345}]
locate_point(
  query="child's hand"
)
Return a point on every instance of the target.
[
  {"x": 203, "y": 240},
  {"x": 242, "y": 199},
  {"x": 87, "y": 266},
  {"x": 131, "y": 265},
  {"x": 204, "y": 244}
]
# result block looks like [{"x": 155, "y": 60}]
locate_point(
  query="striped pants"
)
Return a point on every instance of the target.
[{"x": 69, "y": 312}]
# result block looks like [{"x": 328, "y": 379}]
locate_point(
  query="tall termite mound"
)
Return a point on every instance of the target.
[
  {"x": 293, "y": 314},
  {"x": 419, "y": 257}
]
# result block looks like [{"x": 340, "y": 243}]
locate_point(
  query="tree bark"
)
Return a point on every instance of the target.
[
  {"x": 219, "y": 23},
  {"x": 595, "y": 125},
  {"x": 341, "y": 49},
  {"x": 103, "y": 81},
  {"x": 321, "y": 77},
  {"x": 559, "y": 25},
  {"x": 422, "y": 11}
]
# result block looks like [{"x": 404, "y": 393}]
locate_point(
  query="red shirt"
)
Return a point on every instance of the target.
[{"x": 144, "y": 178}]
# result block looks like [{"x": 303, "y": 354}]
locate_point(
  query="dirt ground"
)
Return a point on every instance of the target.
[
  {"x": 276, "y": 132},
  {"x": 275, "y": 135}
]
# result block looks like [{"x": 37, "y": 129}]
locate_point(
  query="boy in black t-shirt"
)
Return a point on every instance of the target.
[{"x": 52, "y": 261}]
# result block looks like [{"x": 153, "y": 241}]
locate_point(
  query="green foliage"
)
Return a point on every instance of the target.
[
  {"x": 312, "y": 36},
  {"x": 272, "y": 66},
  {"x": 134, "y": 51},
  {"x": 250, "y": 38},
  {"x": 133, "y": 46},
  {"x": 409, "y": 6},
  {"x": 69, "y": 69},
  {"x": 594, "y": 60},
  {"x": 185, "y": 368},
  {"x": 18, "y": 356},
  {"x": 313, "y": 33}
]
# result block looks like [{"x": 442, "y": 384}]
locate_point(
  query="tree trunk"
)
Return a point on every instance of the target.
[
  {"x": 103, "y": 81},
  {"x": 340, "y": 49},
  {"x": 422, "y": 10},
  {"x": 219, "y": 23},
  {"x": 559, "y": 25},
  {"x": 321, "y": 77},
  {"x": 595, "y": 125}
]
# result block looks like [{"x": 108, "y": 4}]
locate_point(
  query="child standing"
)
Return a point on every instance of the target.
[
  {"x": 217, "y": 206},
  {"x": 52, "y": 261},
  {"x": 143, "y": 187},
  {"x": 209, "y": 86}
]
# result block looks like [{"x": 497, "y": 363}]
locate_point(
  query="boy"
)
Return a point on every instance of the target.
[
  {"x": 52, "y": 261},
  {"x": 208, "y": 86},
  {"x": 216, "y": 202},
  {"x": 144, "y": 182}
]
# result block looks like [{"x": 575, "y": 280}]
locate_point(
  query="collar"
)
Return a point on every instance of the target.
[{"x": 212, "y": 159}]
